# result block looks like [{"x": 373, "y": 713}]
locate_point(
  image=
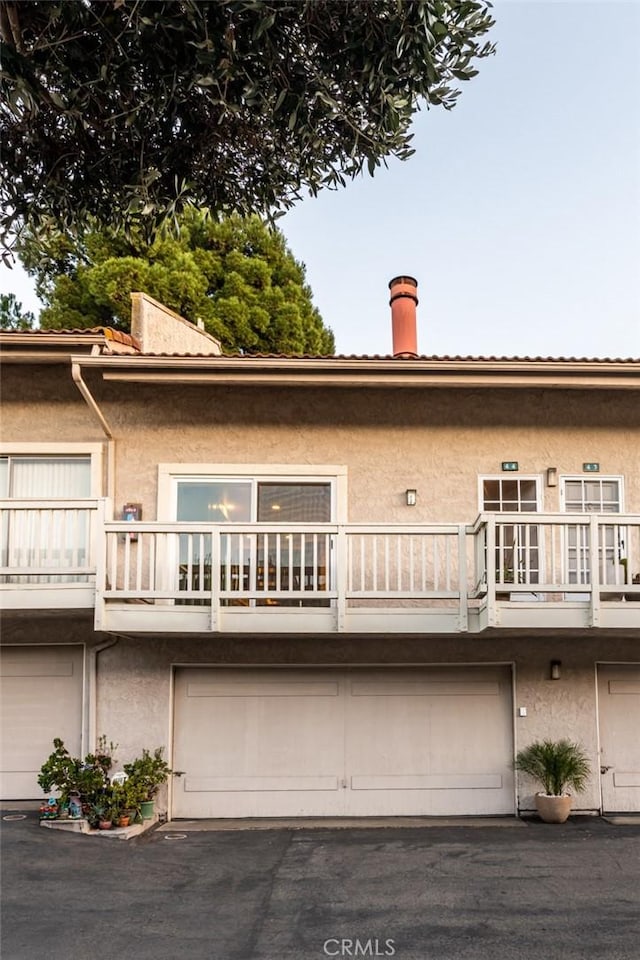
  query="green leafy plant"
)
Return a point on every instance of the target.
[
  {"x": 126, "y": 797},
  {"x": 126, "y": 111},
  {"x": 556, "y": 765},
  {"x": 67, "y": 774},
  {"x": 147, "y": 774}
]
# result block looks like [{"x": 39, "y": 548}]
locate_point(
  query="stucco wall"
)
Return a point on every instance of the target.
[
  {"x": 161, "y": 330},
  {"x": 434, "y": 440},
  {"x": 134, "y": 677},
  {"x": 134, "y": 701},
  {"x": 437, "y": 441},
  {"x": 42, "y": 403}
]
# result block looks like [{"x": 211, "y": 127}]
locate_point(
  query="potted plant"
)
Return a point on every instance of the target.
[
  {"x": 127, "y": 796},
  {"x": 557, "y": 766},
  {"x": 100, "y": 813},
  {"x": 77, "y": 781},
  {"x": 146, "y": 774}
]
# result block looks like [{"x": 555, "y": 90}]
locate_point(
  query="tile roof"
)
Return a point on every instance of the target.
[
  {"x": 118, "y": 336},
  {"x": 388, "y": 357},
  {"x": 109, "y": 334}
]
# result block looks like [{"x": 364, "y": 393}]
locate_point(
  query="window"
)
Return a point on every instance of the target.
[
  {"x": 46, "y": 478},
  {"x": 261, "y": 562},
  {"x": 43, "y": 534},
  {"x": 517, "y": 545}
]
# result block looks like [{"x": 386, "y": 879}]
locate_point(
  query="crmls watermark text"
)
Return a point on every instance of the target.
[{"x": 373, "y": 947}]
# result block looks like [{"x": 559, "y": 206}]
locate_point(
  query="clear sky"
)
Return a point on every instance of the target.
[{"x": 519, "y": 214}]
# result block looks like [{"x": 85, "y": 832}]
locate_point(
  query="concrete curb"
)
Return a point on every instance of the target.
[
  {"x": 340, "y": 823},
  {"x": 116, "y": 833}
]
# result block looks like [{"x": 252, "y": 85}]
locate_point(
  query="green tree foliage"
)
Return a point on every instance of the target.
[
  {"x": 236, "y": 275},
  {"x": 127, "y": 110},
  {"x": 12, "y": 314}
]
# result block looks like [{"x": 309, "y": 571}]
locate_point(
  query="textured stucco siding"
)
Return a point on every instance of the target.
[
  {"x": 160, "y": 330},
  {"x": 434, "y": 440},
  {"x": 437, "y": 441},
  {"x": 42, "y": 403},
  {"x": 136, "y": 680}
]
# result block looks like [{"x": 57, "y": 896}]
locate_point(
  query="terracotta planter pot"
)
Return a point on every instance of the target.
[
  {"x": 553, "y": 809},
  {"x": 123, "y": 821}
]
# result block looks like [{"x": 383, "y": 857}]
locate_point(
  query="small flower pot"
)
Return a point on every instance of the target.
[
  {"x": 123, "y": 821},
  {"x": 105, "y": 824}
]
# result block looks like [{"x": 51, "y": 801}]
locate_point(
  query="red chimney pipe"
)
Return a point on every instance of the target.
[{"x": 403, "y": 305}]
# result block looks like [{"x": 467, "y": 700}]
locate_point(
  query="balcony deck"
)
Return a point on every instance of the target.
[{"x": 549, "y": 571}]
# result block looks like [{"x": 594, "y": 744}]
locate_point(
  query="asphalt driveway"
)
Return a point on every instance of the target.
[{"x": 532, "y": 892}]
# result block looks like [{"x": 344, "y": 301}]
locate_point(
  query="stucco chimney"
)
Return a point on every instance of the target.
[{"x": 403, "y": 303}]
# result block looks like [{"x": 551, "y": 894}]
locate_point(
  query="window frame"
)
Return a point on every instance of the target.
[
  {"x": 169, "y": 474},
  {"x": 94, "y": 451},
  {"x": 536, "y": 477},
  {"x": 589, "y": 478}
]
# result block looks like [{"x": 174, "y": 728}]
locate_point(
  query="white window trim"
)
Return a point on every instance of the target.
[
  {"x": 509, "y": 476},
  {"x": 92, "y": 450},
  {"x": 168, "y": 473},
  {"x": 584, "y": 476}
]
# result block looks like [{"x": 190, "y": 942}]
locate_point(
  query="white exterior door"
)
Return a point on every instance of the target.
[
  {"x": 594, "y": 495},
  {"x": 374, "y": 742},
  {"x": 41, "y": 699},
  {"x": 619, "y": 719}
]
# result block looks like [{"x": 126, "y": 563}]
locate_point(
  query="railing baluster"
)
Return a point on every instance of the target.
[
  {"x": 412, "y": 542},
  {"x": 374, "y": 585},
  {"x": 447, "y": 563},
  {"x": 424, "y": 577},
  {"x": 386, "y": 563},
  {"x": 139, "y": 552},
  {"x": 314, "y": 582}
]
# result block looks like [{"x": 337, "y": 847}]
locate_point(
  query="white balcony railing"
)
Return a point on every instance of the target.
[
  {"x": 455, "y": 577},
  {"x": 47, "y": 541}
]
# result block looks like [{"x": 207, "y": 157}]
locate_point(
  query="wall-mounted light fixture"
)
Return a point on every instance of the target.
[
  {"x": 412, "y": 497},
  {"x": 555, "y": 669},
  {"x": 131, "y": 512},
  {"x": 508, "y": 465},
  {"x": 552, "y": 476}
]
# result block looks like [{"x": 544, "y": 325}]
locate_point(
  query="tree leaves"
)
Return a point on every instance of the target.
[
  {"x": 126, "y": 111},
  {"x": 237, "y": 275}
]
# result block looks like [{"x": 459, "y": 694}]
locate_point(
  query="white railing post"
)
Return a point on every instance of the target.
[
  {"x": 492, "y": 614},
  {"x": 463, "y": 603},
  {"x": 594, "y": 566},
  {"x": 99, "y": 545},
  {"x": 216, "y": 578},
  {"x": 342, "y": 576}
]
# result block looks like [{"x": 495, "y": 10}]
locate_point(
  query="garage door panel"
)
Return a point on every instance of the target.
[
  {"x": 412, "y": 688},
  {"x": 431, "y": 742},
  {"x": 256, "y": 741},
  {"x": 357, "y": 742},
  {"x": 260, "y": 690},
  {"x": 485, "y": 781},
  {"x": 250, "y": 784},
  {"x": 41, "y": 694},
  {"x": 619, "y": 720}
]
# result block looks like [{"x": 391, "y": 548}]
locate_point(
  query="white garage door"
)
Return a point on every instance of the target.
[
  {"x": 302, "y": 743},
  {"x": 41, "y": 691},
  {"x": 619, "y": 715}
]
